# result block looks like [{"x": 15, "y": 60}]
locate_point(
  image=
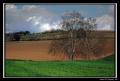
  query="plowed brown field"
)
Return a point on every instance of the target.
[{"x": 38, "y": 50}]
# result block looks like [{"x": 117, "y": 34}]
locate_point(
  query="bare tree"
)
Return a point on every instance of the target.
[{"x": 80, "y": 36}]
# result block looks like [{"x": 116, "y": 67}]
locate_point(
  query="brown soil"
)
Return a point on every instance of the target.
[{"x": 38, "y": 50}]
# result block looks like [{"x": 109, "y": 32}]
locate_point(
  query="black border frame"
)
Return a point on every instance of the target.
[{"x": 103, "y": 78}]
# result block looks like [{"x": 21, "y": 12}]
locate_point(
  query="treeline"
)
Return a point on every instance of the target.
[
  {"x": 49, "y": 35},
  {"x": 28, "y": 36}
]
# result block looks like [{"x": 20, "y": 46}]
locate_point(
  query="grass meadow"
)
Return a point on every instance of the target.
[{"x": 95, "y": 68}]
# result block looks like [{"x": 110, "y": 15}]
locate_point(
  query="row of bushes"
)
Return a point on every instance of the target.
[{"x": 27, "y": 36}]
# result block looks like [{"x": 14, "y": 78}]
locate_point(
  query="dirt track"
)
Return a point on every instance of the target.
[{"x": 38, "y": 50}]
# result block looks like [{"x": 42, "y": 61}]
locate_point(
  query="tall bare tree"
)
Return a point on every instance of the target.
[{"x": 79, "y": 37}]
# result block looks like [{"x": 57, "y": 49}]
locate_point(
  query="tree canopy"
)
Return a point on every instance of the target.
[{"x": 80, "y": 38}]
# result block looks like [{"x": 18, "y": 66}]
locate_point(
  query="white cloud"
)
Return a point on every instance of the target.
[
  {"x": 36, "y": 10},
  {"x": 34, "y": 18},
  {"x": 36, "y": 23},
  {"x": 105, "y": 22},
  {"x": 107, "y": 27},
  {"x": 10, "y": 7},
  {"x": 105, "y": 19},
  {"x": 45, "y": 27},
  {"x": 28, "y": 7},
  {"x": 28, "y": 17},
  {"x": 42, "y": 23}
]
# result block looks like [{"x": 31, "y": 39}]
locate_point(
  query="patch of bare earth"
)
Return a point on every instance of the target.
[{"x": 38, "y": 50}]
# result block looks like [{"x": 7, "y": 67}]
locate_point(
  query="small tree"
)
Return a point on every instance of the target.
[{"x": 80, "y": 36}]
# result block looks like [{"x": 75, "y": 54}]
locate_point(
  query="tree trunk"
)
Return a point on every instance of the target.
[{"x": 72, "y": 57}]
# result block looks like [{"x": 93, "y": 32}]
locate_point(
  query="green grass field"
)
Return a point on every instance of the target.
[{"x": 100, "y": 68}]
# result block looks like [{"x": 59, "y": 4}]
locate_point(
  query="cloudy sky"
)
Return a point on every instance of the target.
[{"x": 39, "y": 18}]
